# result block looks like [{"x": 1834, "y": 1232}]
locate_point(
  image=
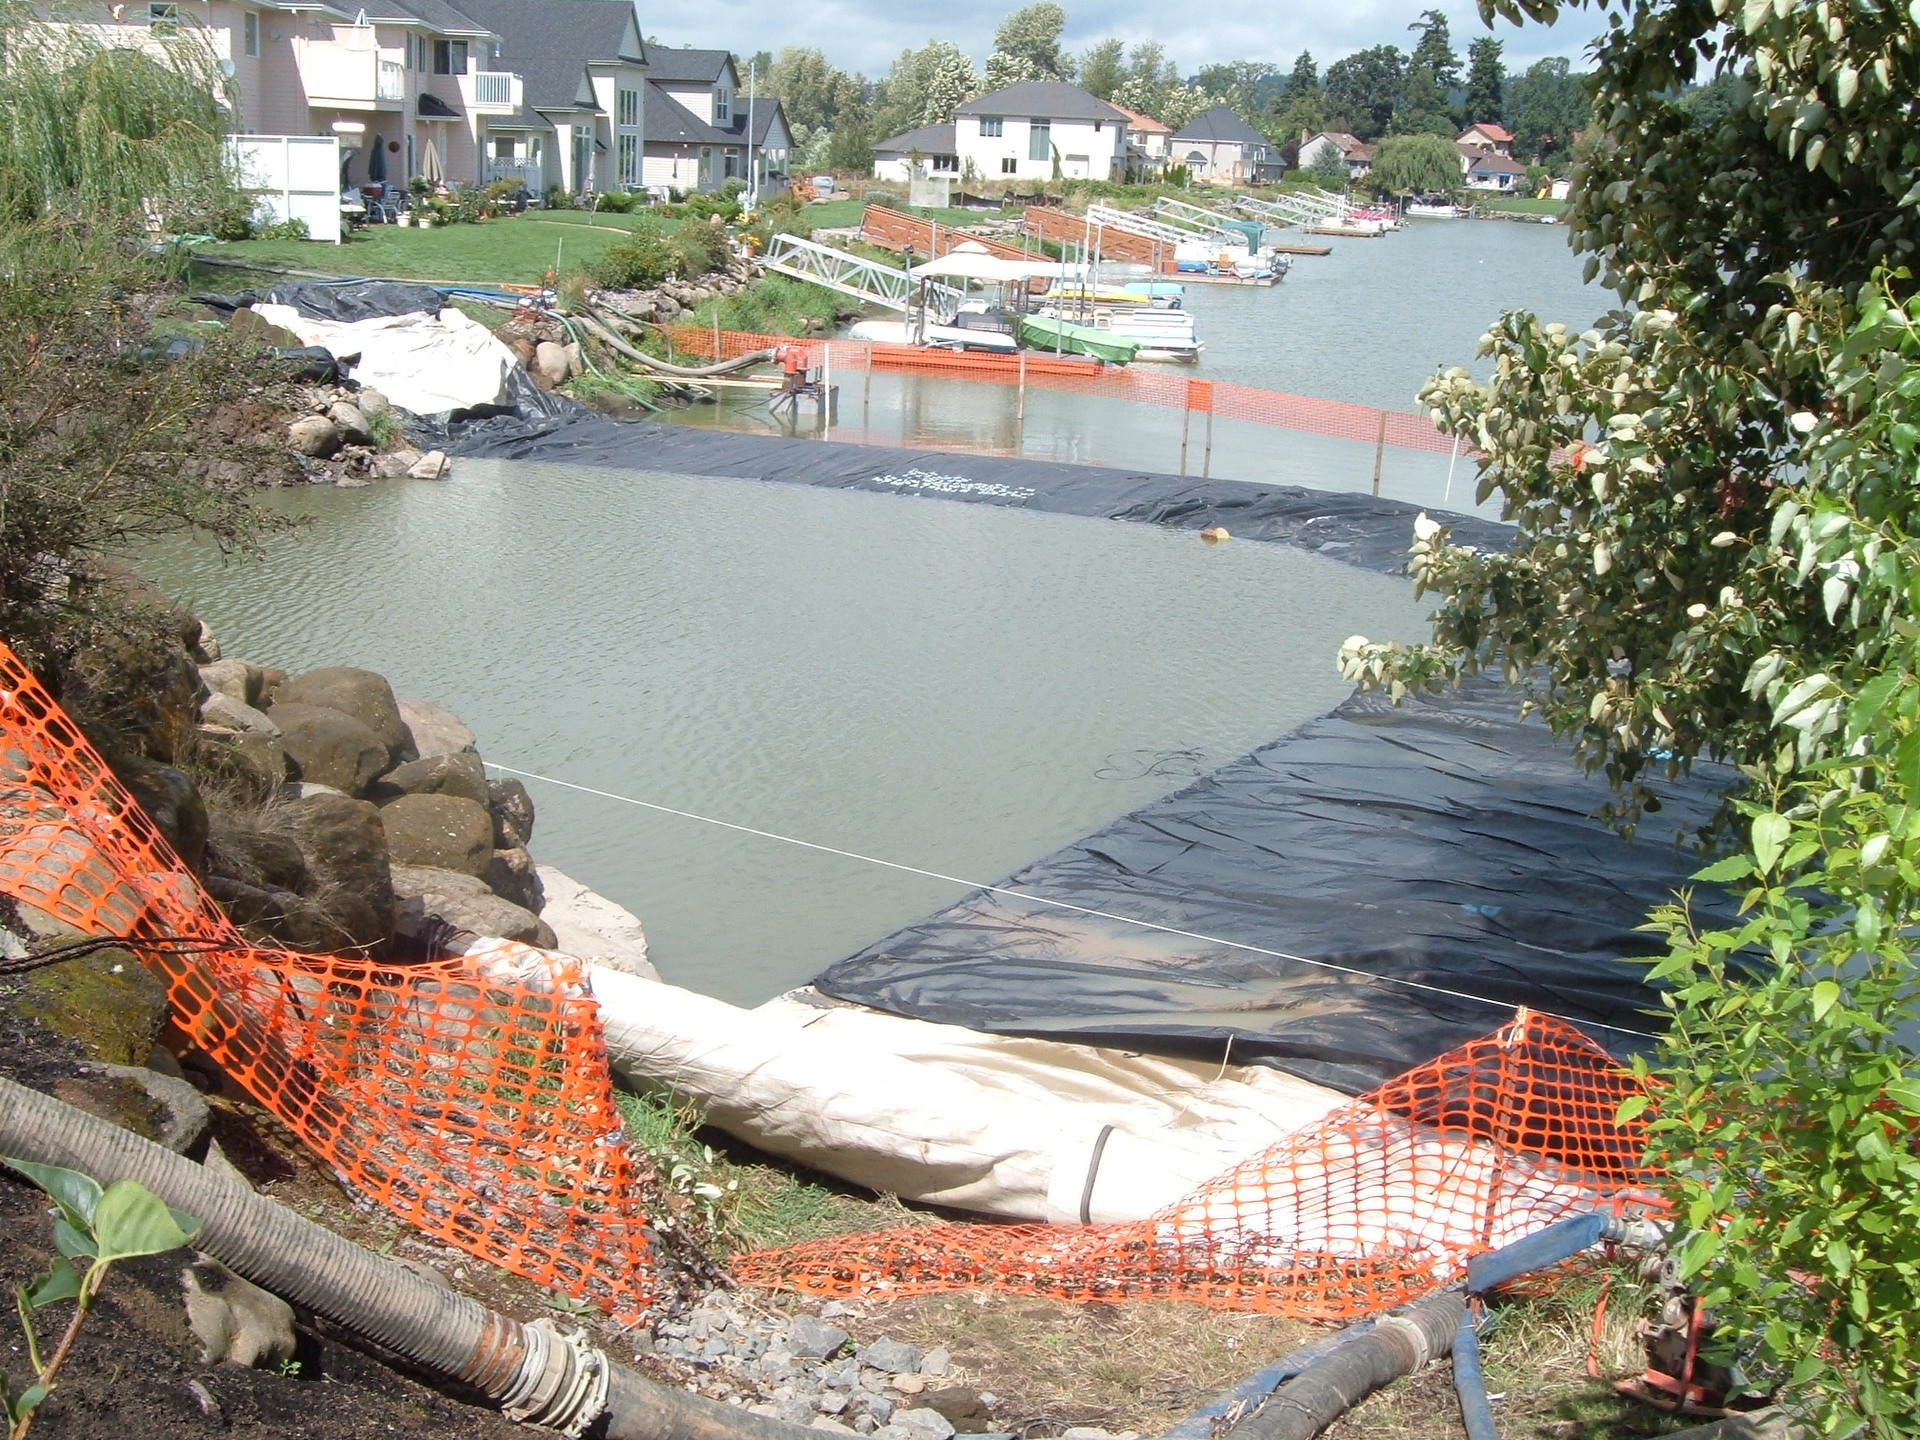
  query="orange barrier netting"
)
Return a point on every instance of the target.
[
  {"x": 1398, "y": 429},
  {"x": 471, "y": 1096},
  {"x": 1380, "y": 1202}
]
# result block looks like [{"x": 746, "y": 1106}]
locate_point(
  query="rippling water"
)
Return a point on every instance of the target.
[{"x": 954, "y": 687}]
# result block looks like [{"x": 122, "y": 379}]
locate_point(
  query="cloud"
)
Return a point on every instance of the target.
[{"x": 865, "y": 35}]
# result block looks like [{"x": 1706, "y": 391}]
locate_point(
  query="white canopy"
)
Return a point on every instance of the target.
[{"x": 964, "y": 264}]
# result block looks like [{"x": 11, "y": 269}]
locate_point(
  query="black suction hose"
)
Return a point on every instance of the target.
[{"x": 532, "y": 1372}]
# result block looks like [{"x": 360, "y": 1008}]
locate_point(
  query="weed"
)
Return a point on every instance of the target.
[{"x": 384, "y": 428}]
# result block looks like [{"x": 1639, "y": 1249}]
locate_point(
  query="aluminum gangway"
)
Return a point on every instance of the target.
[
  {"x": 1294, "y": 207},
  {"x": 1212, "y": 222},
  {"x": 855, "y": 275},
  {"x": 1155, "y": 227}
]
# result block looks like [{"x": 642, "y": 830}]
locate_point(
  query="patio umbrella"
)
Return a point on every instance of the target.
[
  {"x": 430, "y": 164},
  {"x": 377, "y": 162}
]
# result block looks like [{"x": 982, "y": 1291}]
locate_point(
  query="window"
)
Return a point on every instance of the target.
[
  {"x": 992, "y": 125},
  {"x": 449, "y": 57},
  {"x": 163, "y": 15},
  {"x": 733, "y": 164},
  {"x": 1039, "y": 139},
  {"x": 629, "y": 160},
  {"x": 722, "y": 105},
  {"x": 1096, "y": 127},
  {"x": 1009, "y": 166},
  {"x": 503, "y": 149},
  {"x": 629, "y": 107},
  {"x": 946, "y": 164},
  {"x": 250, "y": 32}
]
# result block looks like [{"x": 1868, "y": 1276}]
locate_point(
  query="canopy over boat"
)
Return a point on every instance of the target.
[{"x": 964, "y": 264}]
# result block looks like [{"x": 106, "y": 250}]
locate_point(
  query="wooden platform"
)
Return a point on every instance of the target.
[{"x": 1302, "y": 249}]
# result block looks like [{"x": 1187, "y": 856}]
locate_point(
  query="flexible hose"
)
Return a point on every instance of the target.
[
  {"x": 1470, "y": 1381},
  {"x": 1399, "y": 1344},
  {"x": 665, "y": 367},
  {"x": 531, "y": 1372}
]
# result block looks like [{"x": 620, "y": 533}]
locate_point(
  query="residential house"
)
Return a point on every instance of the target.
[
  {"x": 1357, "y": 155},
  {"x": 1487, "y": 136},
  {"x": 1040, "y": 130},
  {"x": 1487, "y": 170},
  {"x": 421, "y": 87},
  {"x": 703, "y": 129},
  {"x": 1146, "y": 143},
  {"x": 1219, "y": 147},
  {"x": 931, "y": 148}
]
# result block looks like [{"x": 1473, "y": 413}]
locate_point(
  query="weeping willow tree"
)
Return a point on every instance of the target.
[{"x": 108, "y": 135}]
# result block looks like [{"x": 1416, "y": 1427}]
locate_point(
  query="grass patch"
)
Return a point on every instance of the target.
[
  {"x": 776, "y": 305},
  {"x": 847, "y": 213},
  {"x": 1523, "y": 205},
  {"x": 512, "y": 250}
]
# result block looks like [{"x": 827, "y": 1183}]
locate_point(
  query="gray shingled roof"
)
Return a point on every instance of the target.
[
  {"x": 670, "y": 122},
  {"x": 1043, "y": 100},
  {"x": 686, "y": 67},
  {"x": 549, "y": 43},
  {"x": 928, "y": 140},
  {"x": 435, "y": 13},
  {"x": 1219, "y": 126}
]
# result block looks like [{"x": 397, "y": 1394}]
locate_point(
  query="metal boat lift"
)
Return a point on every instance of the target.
[
  {"x": 856, "y": 276},
  {"x": 1168, "y": 230},
  {"x": 1214, "y": 222},
  {"x": 1293, "y": 207}
]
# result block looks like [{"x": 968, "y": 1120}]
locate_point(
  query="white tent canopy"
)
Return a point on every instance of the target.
[{"x": 965, "y": 264}]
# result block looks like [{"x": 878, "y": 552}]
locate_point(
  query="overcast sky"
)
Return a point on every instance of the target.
[{"x": 865, "y": 35}]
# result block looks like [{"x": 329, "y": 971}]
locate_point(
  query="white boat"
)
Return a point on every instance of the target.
[
  {"x": 1429, "y": 210},
  {"x": 1164, "y": 332}
]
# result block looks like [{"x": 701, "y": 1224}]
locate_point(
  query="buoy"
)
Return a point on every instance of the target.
[{"x": 1216, "y": 535}]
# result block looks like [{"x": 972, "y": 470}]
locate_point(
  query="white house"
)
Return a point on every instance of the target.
[
  {"x": 1489, "y": 170},
  {"x": 1354, "y": 152},
  {"x": 700, "y": 133},
  {"x": 1040, "y": 130},
  {"x": 1219, "y": 147},
  {"x": 931, "y": 148}
]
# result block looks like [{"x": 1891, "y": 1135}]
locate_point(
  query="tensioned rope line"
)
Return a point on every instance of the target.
[{"x": 1064, "y": 904}]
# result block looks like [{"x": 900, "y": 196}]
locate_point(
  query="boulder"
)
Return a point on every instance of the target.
[
  {"x": 550, "y": 362},
  {"x": 223, "y": 712},
  {"x": 254, "y": 762},
  {"x": 460, "y": 774},
  {"x": 512, "y": 814},
  {"x": 511, "y": 875},
  {"x": 350, "y": 422},
  {"x": 371, "y": 402},
  {"x": 893, "y": 1356},
  {"x": 248, "y": 322},
  {"x": 235, "y": 1321},
  {"x": 576, "y": 360},
  {"x": 442, "y": 832},
  {"x": 427, "y": 894},
  {"x": 396, "y": 464},
  {"x": 344, "y": 846},
  {"x": 241, "y": 679},
  {"x": 140, "y": 674},
  {"x": 433, "y": 465},
  {"x": 206, "y": 645},
  {"x": 811, "y": 1338},
  {"x": 109, "y": 1003},
  {"x": 434, "y": 729},
  {"x": 360, "y": 693},
  {"x": 591, "y": 927},
  {"x": 172, "y": 802},
  {"x": 329, "y": 748},
  {"x": 314, "y": 436}
]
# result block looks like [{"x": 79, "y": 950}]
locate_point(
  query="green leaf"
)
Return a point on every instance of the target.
[
  {"x": 131, "y": 1221},
  {"x": 1905, "y": 1092},
  {"x": 74, "y": 1244},
  {"x": 59, "y": 1283},
  {"x": 1770, "y": 833},
  {"x": 1734, "y": 867},
  {"x": 29, "y": 1400},
  {"x": 1826, "y": 994},
  {"x": 74, "y": 1193},
  {"x": 1632, "y": 1108}
]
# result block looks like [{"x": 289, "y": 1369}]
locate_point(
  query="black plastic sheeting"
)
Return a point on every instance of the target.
[
  {"x": 1440, "y": 843},
  {"x": 342, "y": 301}
]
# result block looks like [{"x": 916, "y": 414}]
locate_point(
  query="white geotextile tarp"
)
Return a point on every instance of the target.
[
  {"x": 1028, "y": 1129},
  {"x": 428, "y": 364}
]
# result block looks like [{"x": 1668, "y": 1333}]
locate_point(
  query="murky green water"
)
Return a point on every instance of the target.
[{"x": 954, "y": 687}]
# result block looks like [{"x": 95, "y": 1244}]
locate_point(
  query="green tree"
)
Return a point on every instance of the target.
[
  {"x": 1434, "y": 51},
  {"x": 1103, "y": 69},
  {"x": 1304, "y": 76},
  {"x": 810, "y": 89},
  {"x": 1301, "y": 117},
  {"x": 1416, "y": 165},
  {"x": 924, "y": 87},
  {"x": 1363, "y": 90},
  {"x": 1329, "y": 168},
  {"x": 1486, "y": 80},
  {"x": 1545, "y": 107},
  {"x": 1027, "y": 47}
]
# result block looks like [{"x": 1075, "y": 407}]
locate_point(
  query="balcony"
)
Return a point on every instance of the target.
[
  {"x": 492, "y": 92},
  {"x": 391, "y": 84},
  {"x": 348, "y": 72}
]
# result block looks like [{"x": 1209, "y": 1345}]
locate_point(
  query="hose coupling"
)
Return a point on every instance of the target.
[{"x": 561, "y": 1383}]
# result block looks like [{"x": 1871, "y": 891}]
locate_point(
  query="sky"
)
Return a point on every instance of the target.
[{"x": 866, "y": 35}]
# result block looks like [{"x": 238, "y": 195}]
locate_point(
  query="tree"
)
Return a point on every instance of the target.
[
  {"x": 1329, "y": 168},
  {"x": 810, "y": 90},
  {"x": 1434, "y": 51},
  {"x": 924, "y": 87},
  {"x": 1363, "y": 90},
  {"x": 1027, "y": 47},
  {"x": 1304, "y": 76},
  {"x": 1153, "y": 87},
  {"x": 1486, "y": 80},
  {"x": 1103, "y": 69},
  {"x": 851, "y": 145},
  {"x": 1416, "y": 165},
  {"x": 1302, "y": 117},
  {"x": 1717, "y": 553},
  {"x": 1545, "y": 107}
]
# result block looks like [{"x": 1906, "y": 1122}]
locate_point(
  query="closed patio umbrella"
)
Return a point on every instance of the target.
[
  {"x": 377, "y": 161},
  {"x": 430, "y": 163}
]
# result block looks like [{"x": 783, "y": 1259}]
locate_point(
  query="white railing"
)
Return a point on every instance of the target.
[
  {"x": 392, "y": 81},
  {"x": 854, "y": 275},
  {"x": 528, "y": 173},
  {"x": 493, "y": 87}
]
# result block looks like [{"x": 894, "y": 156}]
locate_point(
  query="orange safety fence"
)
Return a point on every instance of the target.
[
  {"x": 1397, "y": 429},
  {"x": 1380, "y": 1202},
  {"x": 469, "y": 1096},
  {"x": 891, "y": 230}
]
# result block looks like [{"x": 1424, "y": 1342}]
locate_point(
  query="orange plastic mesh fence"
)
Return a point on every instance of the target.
[
  {"x": 1380, "y": 1202},
  {"x": 470, "y": 1096},
  {"x": 892, "y": 230},
  {"x": 1395, "y": 428}
]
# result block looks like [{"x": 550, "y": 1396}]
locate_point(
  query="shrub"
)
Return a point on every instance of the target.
[
  {"x": 229, "y": 222},
  {"x": 700, "y": 245},
  {"x": 293, "y": 228},
  {"x": 643, "y": 259},
  {"x": 617, "y": 202},
  {"x": 558, "y": 197}
]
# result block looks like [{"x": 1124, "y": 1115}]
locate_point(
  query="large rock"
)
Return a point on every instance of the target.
[
  {"x": 329, "y": 748},
  {"x": 241, "y": 679},
  {"x": 223, "y": 712},
  {"x": 434, "y": 729},
  {"x": 433, "y": 465},
  {"x": 360, "y": 693},
  {"x": 550, "y": 362},
  {"x": 591, "y": 927},
  {"x": 172, "y": 802},
  {"x": 344, "y": 846},
  {"x": 512, "y": 813},
  {"x": 314, "y": 436},
  {"x": 512, "y": 875},
  {"x": 461, "y": 774},
  {"x": 255, "y": 763},
  {"x": 427, "y": 894},
  {"x": 442, "y": 832},
  {"x": 352, "y": 424}
]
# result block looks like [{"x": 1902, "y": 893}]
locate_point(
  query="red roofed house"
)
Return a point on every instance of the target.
[{"x": 1487, "y": 136}]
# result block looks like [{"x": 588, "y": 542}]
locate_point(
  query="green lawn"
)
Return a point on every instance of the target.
[
  {"x": 845, "y": 214},
  {"x": 513, "y": 250},
  {"x": 1521, "y": 205}
]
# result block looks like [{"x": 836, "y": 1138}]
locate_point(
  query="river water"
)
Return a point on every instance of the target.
[
  {"x": 959, "y": 688},
  {"x": 1367, "y": 324}
]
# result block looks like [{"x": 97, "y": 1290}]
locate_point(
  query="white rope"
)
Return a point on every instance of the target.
[{"x": 1063, "y": 904}]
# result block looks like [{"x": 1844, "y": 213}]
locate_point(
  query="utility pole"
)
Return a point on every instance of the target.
[{"x": 753, "y": 172}]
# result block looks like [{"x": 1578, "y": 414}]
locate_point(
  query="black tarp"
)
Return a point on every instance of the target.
[
  {"x": 1442, "y": 842},
  {"x": 342, "y": 301}
]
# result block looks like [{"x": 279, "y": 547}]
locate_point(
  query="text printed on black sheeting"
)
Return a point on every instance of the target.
[{"x": 954, "y": 485}]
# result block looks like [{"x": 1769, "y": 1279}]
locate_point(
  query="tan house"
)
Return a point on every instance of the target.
[
  {"x": 1486, "y": 136},
  {"x": 704, "y": 128}
]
